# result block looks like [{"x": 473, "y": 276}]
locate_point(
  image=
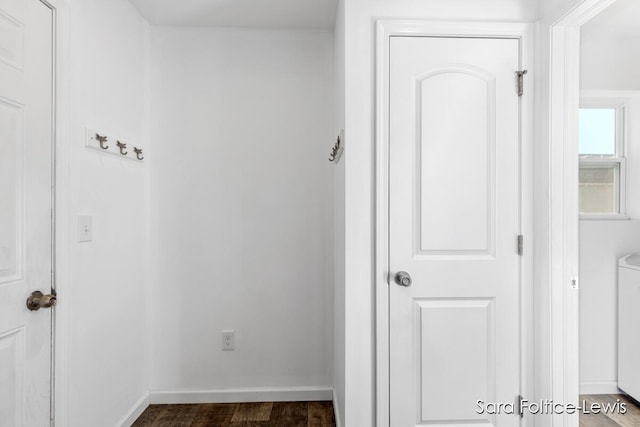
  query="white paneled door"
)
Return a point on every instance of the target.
[
  {"x": 26, "y": 111},
  {"x": 454, "y": 221}
]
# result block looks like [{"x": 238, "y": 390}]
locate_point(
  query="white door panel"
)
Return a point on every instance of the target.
[
  {"x": 26, "y": 94},
  {"x": 454, "y": 220},
  {"x": 457, "y": 216}
]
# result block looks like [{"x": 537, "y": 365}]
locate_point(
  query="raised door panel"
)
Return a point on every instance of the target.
[
  {"x": 456, "y": 359},
  {"x": 11, "y": 377},
  {"x": 11, "y": 190},
  {"x": 456, "y": 150}
]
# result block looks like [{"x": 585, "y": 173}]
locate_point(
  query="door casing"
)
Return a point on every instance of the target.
[
  {"x": 558, "y": 307},
  {"x": 384, "y": 30},
  {"x": 61, "y": 269}
]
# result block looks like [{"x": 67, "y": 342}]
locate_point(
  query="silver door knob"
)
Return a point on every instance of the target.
[
  {"x": 38, "y": 300},
  {"x": 403, "y": 278}
]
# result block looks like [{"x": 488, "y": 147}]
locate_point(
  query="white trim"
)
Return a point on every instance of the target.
[
  {"x": 527, "y": 142},
  {"x": 149, "y": 271},
  {"x": 384, "y": 30},
  {"x": 619, "y": 96},
  {"x": 290, "y": 394},
  {"x": 252, "y": 394},
  {"x": 600, "y": 161},
  {"x": 381, "y": 266},
  {"x": 564, "y": 224},
  {"x": 336, "y": 410},
  {"x": 605, "y": 387},
  {"x": 604, "y": 217},
  {"x": 557, "y": 265},
  {"x": 136, "y": 410},
  {"x": 581, "y": 13},
  {"x": 61, "y": 268}
]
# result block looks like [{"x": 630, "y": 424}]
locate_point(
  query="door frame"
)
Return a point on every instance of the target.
[
  {"x": 60, "y": 214},
  {"x": 558, "y": 306},
  {"x": 385, "y": 29}
]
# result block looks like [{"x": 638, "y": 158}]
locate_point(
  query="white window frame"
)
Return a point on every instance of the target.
[{"x": 619, "y": 159}]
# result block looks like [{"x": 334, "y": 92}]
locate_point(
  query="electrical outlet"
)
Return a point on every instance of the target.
[{"x": 228, "y": 340}]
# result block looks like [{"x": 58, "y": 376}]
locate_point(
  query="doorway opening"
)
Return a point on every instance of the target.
[
  {"x": 609, "y": 216},
  {"x": 605, "y": 180}
]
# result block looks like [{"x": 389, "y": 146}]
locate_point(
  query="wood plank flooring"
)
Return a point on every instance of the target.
[
  {"x": 630, "y": 419},
  {"x": 264, "y": 414},
  {"x": 320, "y": 414}
]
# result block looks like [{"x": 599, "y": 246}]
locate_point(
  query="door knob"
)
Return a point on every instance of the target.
[
  {"x": 403, "y": 278},
  {"x": 38, "y": 300}
]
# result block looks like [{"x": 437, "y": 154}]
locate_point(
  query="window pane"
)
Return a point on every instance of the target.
[
  {"x": 599, "y": 189},
  {"x": 597, "y": 131}
]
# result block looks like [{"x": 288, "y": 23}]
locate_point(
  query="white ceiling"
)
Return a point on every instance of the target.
[
  {"x": 283, "y": 14},
  {"x": 621, "y": 18}
]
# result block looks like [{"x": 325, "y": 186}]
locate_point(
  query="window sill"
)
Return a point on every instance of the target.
[{"x": 604, "y": 217}]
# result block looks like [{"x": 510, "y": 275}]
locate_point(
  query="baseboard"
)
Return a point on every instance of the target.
[
  {"x": 254, "y": 394},
  {"x": 608, "y": 387},
  {"x": 336, "y": 410},
  {"x": 135, "y": 411}
]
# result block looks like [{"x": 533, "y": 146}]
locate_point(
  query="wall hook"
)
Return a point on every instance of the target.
[
  {"x": 122, "y": 147},
  {"x": 520, "y": 75},
  {"x": 336, "y": 151},
  {"x": 138, "y": 152},
  {"x": 102, "y": 140}
]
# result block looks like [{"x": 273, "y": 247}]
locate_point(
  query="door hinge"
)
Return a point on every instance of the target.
[
  {"x": 520, "y": 244},
  {"x": 519, "y": 408},
  {"x": 520, "y": 75}
]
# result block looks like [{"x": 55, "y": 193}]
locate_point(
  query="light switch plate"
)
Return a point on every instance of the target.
[{"x": 85, "y": 228}]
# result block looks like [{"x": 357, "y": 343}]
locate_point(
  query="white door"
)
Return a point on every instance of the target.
[
  {"x": 26, "y": 94},
  {"x": 454, "y": 223}
]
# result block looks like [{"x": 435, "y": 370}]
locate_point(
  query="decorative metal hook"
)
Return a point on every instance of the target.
[
  {"x": 138, "y": 152},
  {"x": 102, "y": 139},
  {"x": 122, "y": 147},
  {"x": 336, "y": 150},
  {"x": 520, "y": 76}
]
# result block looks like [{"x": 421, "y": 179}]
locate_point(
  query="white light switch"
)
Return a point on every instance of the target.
[{"x": 85, "y": 229}]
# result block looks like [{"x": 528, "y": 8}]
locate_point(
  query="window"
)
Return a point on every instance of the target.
[{"x": 602, "y": 162}]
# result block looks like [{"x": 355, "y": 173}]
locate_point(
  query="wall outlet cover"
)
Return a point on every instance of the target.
[{"x": 228, "y": 340}]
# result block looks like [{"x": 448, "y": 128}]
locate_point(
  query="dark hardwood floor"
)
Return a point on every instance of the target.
[
  {"x": 280, "y": 414},
  {"x": 630, "y": 419}
]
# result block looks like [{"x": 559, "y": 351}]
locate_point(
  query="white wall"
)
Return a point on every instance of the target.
[
  {"x": 339, "y": 230},
  {"x": 608, "y": 61},
  {"x": 242, "y": 208},
  {"x": 610, "y": 48},
  {"x": 360, "y": 16},
  {"x": 609, "y": 55},
  {"x": 552, "y": 9},
  {"x": 106, "y": 296}
]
